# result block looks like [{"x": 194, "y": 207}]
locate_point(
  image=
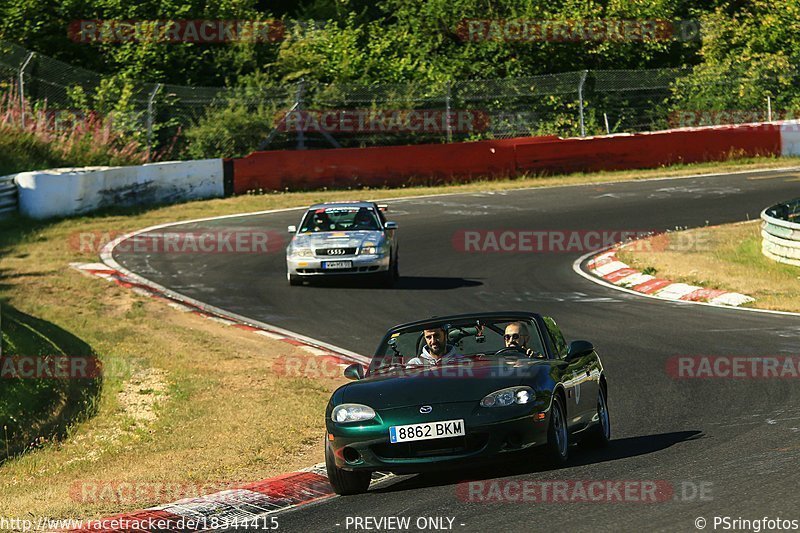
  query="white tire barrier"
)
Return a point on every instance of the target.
[{"x": 780, "y": 235}]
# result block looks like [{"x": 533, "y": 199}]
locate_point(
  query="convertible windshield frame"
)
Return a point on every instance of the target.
[{"x": 491, "y": 322}]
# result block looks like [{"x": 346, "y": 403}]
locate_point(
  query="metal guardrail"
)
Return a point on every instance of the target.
[
  {"x": 780, "y": 232},
  {"x": 8, "y": 196}
]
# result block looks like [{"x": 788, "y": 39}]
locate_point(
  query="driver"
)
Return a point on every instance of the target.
[
  {"x": 517, "y": 335},
  {"x": 435, "y": 350}
]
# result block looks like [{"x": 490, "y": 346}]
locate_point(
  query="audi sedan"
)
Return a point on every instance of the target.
[{"x": 343, "y": 238}]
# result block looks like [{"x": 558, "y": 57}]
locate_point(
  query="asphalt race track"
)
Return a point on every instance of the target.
[{"x": 736, "y": 440}]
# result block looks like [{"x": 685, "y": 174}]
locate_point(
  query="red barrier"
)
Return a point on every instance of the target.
[
  {"x": 647, "y": 150},
  {"x": 396, "y": 165}
]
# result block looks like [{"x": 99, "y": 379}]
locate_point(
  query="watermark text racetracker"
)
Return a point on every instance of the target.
[
  {"x": 574, "y": 241},
  {"x": 609, "y": 491},
  {"x": 196, "y": 241},
  {"x": 733, "y": 367},
  {"x": 149, "y": 523}
]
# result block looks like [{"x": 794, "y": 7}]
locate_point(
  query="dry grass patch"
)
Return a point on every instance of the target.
[{"x": 722, "y": 257}]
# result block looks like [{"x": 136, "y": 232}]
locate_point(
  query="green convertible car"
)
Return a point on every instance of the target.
[{"x": 452, "y": 390}]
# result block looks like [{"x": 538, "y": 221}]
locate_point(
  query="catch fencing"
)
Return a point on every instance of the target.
[{"x": 202, "y": 122}]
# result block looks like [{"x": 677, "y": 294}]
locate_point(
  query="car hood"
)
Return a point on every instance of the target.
[
  {"x": 339, "y": 239},
  {"x": 447, "y": 384}
]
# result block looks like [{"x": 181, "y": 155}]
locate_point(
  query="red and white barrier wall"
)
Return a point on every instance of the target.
[
  {"x": 65, "y": 192},
  {"x": 395, "y": 165}
]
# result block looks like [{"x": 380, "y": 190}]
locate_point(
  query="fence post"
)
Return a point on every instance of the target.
[
  {"x": 448, "y": 125},
  {"x": 22, "y": 88},
  {"x": 769, "y": 109},
  {"x": 150, "y": 99},
  {"x": 298, "y": 104},
  {"x": 580, "y": 101}
]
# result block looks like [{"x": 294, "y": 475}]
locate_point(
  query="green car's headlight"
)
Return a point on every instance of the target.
[
  {"x": 509, "y": 396},
  {"x": 352, "y": 412}
]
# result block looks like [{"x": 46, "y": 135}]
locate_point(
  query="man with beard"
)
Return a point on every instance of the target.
[
  {"x": 518, "y": 336},
  {"x": 435, "y": 350}
]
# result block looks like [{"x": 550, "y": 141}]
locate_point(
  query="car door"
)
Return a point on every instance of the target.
[{"x": 581, "y": 382}]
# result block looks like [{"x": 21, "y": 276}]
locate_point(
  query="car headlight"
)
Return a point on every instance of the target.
[
  {"x": 352, "y": 412},
  {"x": 369, "y": 250},
  {"x": 509, "y": 396},
  {"x": 302, "y": 252}
]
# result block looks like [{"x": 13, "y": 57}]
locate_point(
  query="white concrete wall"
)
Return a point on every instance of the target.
[{"x": 65, "y": 192}]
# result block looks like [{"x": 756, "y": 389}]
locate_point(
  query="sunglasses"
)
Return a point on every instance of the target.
[{"x": 513, "y": 336}]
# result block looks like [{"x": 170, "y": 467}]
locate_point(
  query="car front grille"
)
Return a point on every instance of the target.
[
  {"x": 431, "y": 448},
  {"x": 335, "y": 252}
]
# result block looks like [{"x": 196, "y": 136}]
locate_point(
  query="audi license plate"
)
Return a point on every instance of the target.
[
  {"x": 328, "y": 265},
  {"x": 428, "y": 430}
]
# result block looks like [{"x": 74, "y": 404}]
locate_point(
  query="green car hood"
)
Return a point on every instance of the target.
[{"x": 448, "y": 384}]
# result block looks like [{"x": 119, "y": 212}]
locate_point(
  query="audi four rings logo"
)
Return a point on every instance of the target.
[
  {"x": 425, "y": 409},
  {"x": 335, "y": 251}
]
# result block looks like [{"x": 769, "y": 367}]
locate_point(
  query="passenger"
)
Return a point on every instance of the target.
[
  {"x": 435, "y": 350},
  {"x": 517, "y": 335}
]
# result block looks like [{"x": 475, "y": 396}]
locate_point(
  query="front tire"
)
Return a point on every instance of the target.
[
  {"x": 600, "y": 435},
  {"x": 344, "y": 482},
  {"x": 293, "y": 279},
  {"x": 557, "y": 447}
]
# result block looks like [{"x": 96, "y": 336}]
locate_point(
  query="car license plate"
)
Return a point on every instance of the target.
[
  {"x": 428, "y": 430},
  {"x": 337, "y": 264}
]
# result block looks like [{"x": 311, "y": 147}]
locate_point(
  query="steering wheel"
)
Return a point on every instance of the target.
[{"x": 509, "y": 349}]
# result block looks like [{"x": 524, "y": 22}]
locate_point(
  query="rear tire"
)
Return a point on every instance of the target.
[
  {"x": 600, "y": 435},
  {"x": 557, "y": 447},
  {"x": 343, "y": 482}
]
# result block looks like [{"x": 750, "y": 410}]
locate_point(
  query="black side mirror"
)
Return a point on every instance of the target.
[
  {"x": 354, "y": 371},
  {"x": 579, "y": 349}
]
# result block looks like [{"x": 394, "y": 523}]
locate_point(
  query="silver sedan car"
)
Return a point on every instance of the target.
[{"x": 343, "y": 238}]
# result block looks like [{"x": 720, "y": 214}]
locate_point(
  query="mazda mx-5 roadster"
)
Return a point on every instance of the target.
[{"x": 457, "y": 389}]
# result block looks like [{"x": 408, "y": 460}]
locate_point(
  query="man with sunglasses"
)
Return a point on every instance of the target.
[{"x": 518, "y": 336}]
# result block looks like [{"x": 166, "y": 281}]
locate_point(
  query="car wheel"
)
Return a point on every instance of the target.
[
  {"x": 390, "y": 276},
  {"x": 293, "y": 279},
  {"x": 557, "y": 434},
  {"x": 343, "y": 482},
  {"x": 600, "y": 435}
]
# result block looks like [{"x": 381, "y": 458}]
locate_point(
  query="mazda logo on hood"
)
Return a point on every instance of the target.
[{"x": 425, "y": 409}]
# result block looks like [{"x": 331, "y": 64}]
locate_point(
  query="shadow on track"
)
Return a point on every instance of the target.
[
  {"x": 405, "y": 283},
  {"x": 617, "y": 449}
]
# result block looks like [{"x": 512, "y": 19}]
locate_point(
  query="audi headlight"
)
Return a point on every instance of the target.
[
  {"x": 369, "y": 250},
  {"x": 509, "y": 396},
  {"x": 302, "y": 252},
  {"x": 352, "y": 412}
]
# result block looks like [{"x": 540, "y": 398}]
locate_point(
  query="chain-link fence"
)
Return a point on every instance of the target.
[{"x": 211, "y": 121}]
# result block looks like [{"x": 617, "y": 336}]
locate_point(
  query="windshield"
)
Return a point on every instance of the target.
[
  {"x": 339, "y": 219},
  {"x": 455, "y": 342}
]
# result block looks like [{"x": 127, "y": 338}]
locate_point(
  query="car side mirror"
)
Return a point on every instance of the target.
[
  {"x": 292, "y": 229},
  {"x": 390, "y": 225},
  {"x": 579, "y": 349},
  {"x": 354, "y": 371}
]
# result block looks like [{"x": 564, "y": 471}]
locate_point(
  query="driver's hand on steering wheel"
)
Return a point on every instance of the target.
[{"x": 533, "y": 353}]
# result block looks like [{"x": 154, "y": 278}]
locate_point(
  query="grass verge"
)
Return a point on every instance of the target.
[
  {"x": 722, "y": 257},
  {"x": 186, "y": 402}
]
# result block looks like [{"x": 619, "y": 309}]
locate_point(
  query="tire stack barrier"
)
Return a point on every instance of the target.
[{"x": 780, "y": 232}]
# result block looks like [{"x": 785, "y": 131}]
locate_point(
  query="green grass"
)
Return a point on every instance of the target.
[{"x": 33, "y": 411}]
